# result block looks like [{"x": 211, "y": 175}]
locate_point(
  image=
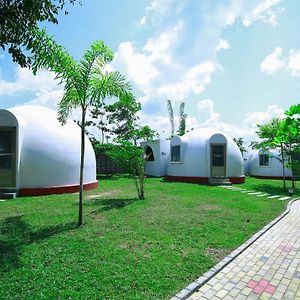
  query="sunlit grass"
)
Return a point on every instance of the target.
[{"x": 128, "y": 248}]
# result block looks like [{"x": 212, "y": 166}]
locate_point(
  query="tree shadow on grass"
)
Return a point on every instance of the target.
[
  {"x": 165, "y": 180},
  {"x": 113, "y": 176},
  {"x": 271, "y": 189},
  {"x": 111, "y": 203},
  {"x": 15, "y": 234},
  {"x": 107, "y": 177}
]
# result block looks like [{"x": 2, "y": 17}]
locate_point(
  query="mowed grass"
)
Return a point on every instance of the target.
[
  {"x": 274, "y": 187},
  {"x": 128, "y": 248}
]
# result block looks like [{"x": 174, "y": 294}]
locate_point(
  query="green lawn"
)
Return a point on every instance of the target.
[
  {"x": 269, "y": 186},
  {"x": 128, "y": 248}
]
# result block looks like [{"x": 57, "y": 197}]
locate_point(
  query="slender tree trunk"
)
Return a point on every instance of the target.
[
  {"x": 292, "y": 165},
  {"x": 82, "y": 150},
  {"x": 102, "y": 135},
  {"x": 283, "y": 166}
]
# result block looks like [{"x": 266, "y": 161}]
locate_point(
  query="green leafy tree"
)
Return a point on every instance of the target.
[
  {"x": 86, "y": 83},
  {"x": 122, "y": 115},
  {"x": 272, "y": 137},
  {"x": 20, "y": 18},
  {"x": 284, "y": 135},
  {"x": 182, "y": 119},
  {"x": 240, "y": 143},
  {"x": 290, "y": 132},
  {"x": 122, "y": 121},
  {"x": 130, "y": 158}
]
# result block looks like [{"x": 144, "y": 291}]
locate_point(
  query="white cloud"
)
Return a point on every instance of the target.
[
  {"x": 159, "y": 48},
  {"x": 273, "y": 62},
  {"x": 155, "y": 72},
  {"x": 258, "y": 117},
  {"x": 143, "y": 21},
  {"x": 137, "y": 66},
  {"x": 223, "y": 44},
  {"x": 25, "y": 81},
  {"x": 192, "y": 81},
  {"x": 262, "y": 12},
  {"x": 207, "y": 113},
  {"x": 157, "y": 10},
  {"x": 42, "y": 87},
  {"x": 48, "y": 98},
  {"x": 294, "y": 63}
]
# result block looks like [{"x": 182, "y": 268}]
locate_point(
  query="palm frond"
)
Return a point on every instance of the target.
[
  {"x": 107, "y": 85},
  {"x": 171, "y": 116},
  {"x": 69, "y": 101},
  {"x": 54, "y": 57}
]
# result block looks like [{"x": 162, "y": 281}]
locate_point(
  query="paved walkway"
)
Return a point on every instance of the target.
[{"x": 268, "y": 269}]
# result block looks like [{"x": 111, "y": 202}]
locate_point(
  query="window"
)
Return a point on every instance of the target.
[
  {"x": 264, "y": 160},
  {"x": 7, "y": 156},
  {"x": 175, "y": 153},
  {"x": 149, "y": 154},
  {"x": 218, "y": 155}
]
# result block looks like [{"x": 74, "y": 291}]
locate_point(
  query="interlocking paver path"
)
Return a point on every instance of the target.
[{"x": 268, "y": 269}]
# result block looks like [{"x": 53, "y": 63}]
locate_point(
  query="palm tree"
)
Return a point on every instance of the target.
[
  {"x": 182, "y": 118},
  {"x": 171, "y": 116},
  {"x": 86, "y": 83}
]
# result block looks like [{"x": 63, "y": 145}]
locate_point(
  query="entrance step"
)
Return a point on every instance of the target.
[
  {"x": 8, "y": 195},
  {"x": 219, "y": 181}
]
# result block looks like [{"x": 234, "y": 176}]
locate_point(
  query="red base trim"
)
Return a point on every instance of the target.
[
  {"x": 237, "y": 180},
  {"x": 188, "y": 179},
  {"x": 203, "y": 180},
  {"x": 271, "y": 177},
  {"x": 56, "y": 189}
]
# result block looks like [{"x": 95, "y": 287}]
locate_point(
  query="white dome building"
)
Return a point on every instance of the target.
[
  {"x": 204, "y": 154},
  {"x": 198, "y": 156},
  {"x": 266, "y": 164},
  {"x": 39, "y": 156},
  {"x": 157, "y": 156}
]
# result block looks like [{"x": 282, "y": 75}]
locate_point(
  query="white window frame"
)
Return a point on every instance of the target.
[{"x": 269, "y": 160}]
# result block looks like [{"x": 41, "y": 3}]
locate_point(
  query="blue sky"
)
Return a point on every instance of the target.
[{"x": 235, "y": 63}]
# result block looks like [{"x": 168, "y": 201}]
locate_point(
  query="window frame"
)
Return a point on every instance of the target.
[
  {"x": 261, "y": 157},
  {"x": 12, "y": 154},
  {"x": 178, "y": 153}
]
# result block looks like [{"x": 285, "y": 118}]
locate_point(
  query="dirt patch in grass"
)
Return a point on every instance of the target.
[
  {"x": 111, "y": 193},
  {"x": 216, "y": 254},
  {"x": 209, "y": 207}
]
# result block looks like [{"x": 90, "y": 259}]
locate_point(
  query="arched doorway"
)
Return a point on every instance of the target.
[
  {"x": 149, "y": 154},
  {"x": 7, "y": 157},
  {"x": 218, "y": 162}
]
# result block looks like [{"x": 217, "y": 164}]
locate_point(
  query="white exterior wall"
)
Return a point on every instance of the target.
[
  {"x": 195, "y": 154},
  {"x": 235, "y": 165},
  {"x": 160, "y": 150},
  {"x": 49, "y": 153},
  {"x": 274, "y": 168},
  {"x": 164, "y": 156}
]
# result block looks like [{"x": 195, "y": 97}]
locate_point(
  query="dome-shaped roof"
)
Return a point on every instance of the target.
[
  {"x": 269, "y": 166},
  {"x": 202, "y": 135},
  {"x": 195, "y": 154},
  {"x": 49, "y": 153}
]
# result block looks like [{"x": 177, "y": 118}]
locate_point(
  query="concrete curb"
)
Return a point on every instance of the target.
[{"x": 198, "y": 283}]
